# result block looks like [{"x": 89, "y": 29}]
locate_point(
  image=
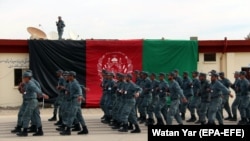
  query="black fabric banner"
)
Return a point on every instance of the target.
[{"x": 46, "y": 57}]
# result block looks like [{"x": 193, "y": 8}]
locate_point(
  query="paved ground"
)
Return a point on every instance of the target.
[{"x": 98, "y": 131}]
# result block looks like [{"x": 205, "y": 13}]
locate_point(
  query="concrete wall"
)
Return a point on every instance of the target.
[{"x": 9, "y": 96}]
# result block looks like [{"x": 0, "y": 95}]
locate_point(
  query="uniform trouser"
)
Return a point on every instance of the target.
[
  {"x": 102, "y": 101},
  {"x": 20, "y": 113},
  {"x": 236, "y": 105},
  {"x": 138, "y": 104},
  {"x": 108, "y": 105},
  {"x": 31, "y": 110},
  {"x": 60, "y": 33},
  {"x": 79, "y": 116},
  {"x": 161, "y": 108},
  {"x": 129, "y": 105},
  {"x": 244, "y": 106},
  {"x": 225, "y": 105},
  {"x": 194, "y": 104},
  {"x": 144, "y": 106},
  {"x": 214, "y": 110},
  {"x": 152, "y": 105},
  {"x": 71, "y": 112},
  {"x": 57, "y": 104},
  {"x": 203, "y": 109},
  {"x": 117, "y": 108},
  {"x": 173, "y": 112},
  {"x": 184, "y": 106},
  {"x": 132, "y": 116}
]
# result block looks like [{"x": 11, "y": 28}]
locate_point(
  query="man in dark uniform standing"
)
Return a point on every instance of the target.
[{"x": 60, "y": 27}]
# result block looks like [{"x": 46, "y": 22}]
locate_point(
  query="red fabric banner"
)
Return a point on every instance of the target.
[{"x": 123, "y": 56}]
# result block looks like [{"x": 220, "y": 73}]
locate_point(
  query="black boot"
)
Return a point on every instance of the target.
[
  {"x": 243, "y": 121},
  {"x": 130, "y": 126},
  {"x": 117, "y": 126},
  {"x": 198, "y": 122},
  {"x": 76, "y": 127},
  {"x": 143, "y": 119},
  {"x": 192, "y": 119},
  {"x": 17, "y": 129},
  {"x": 124, "y": 128},
  {"x": 150, "y": 121},
  {"x": 106, "y": 120},
  {"x": 84, "y": 131},
  {"x": 113, "y": 123},
  {"x": 53, "y": 118},
  {"x": 61, "y": 128},
  {"x": 23, "y": 133},
  {"x": 66, "y": 132},
  {"x": 137, "y": 129},
  {"x": 39, "y": 132},
  {"x": 183, "y": 116},
  {"x": 32, "y": 129},
  {"x": 234, "y": 118},
  {"x": 159, "y": 121},
  {"x": 59, "y": 122}
]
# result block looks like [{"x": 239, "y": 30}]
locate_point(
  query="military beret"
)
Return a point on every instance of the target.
[
  {"x": 129, "y": 76},
  {"x": 221, "y": 73},
  {"x": 136, "y": 71},
  {"x": 145, "y": 73},
  {"x": 65, "y": 73},
  {"x": 29, "y": 71},
  {"x": 104, "y": 71},
  {"x": 27, "y": 74},
  {"x": 162, "y": 74},
  {"x": 59, "y": 71},
  {"x": 153, "y": 74},
  {"x": 243, "y": 73},
  {"x": 236, "y": 72},
  {"x": 171, "y": 74},
  {"x": 213, "y": 71},
  {"x": 185, "y": 72},
  {"x": 214, "y": 74},
  {"x": 122, "y": 75},
  {"x": 176, "y": 70},
  {"x": 203, "y": 74},
  {"x": 195, "y": 72},
  {"x": 72, "y": 73},
  {"x": 118, "y": 74},
  {"x": 110, "y": 74}
]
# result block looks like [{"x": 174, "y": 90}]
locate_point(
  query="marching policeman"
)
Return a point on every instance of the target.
[
  {"x": 175, "y": 95},
  {"x": 205, "y": 95},
  {"x": 237, "y": 100}
]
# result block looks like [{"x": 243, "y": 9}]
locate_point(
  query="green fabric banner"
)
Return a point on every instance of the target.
[{"x": 167, "y": 55}]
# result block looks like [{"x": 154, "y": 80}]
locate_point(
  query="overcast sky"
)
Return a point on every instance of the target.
[{"x": 128, "y": 19}]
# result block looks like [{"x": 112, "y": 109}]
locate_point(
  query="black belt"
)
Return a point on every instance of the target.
[{"x": 29, "y": 98}]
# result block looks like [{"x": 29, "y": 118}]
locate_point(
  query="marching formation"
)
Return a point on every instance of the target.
[
  {"x": 68, "y": 102},
  {"x": 167, "y": 96},
  {"x": 154, "y": 96}
]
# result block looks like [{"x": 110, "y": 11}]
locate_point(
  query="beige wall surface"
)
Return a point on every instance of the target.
[{"x": 9, "y": 96}]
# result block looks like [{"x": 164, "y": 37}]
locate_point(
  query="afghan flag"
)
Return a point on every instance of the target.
[{"x": 89, "y": 58}]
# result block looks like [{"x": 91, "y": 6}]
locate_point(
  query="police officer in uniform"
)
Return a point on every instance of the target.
[
  {"x": 59, "y": 98},
  {"x": 154, "y": 85},
  {"x": 205, "y": 95},
  {"x": 161, "y": 108},
  {"x": 175, "y": 94},
  {"x": 225, "y": 99},
  {"x": 146, "y": 96},
  {"x": 74, "y": 101},
  {"x": 131, "y": 91},
  {"x": 245, "y": 98},
  {"x": 104, "y": 95},
  {"x": 177, "y": 77},
  {"x": 137, "y": 82},
  {"x": 187, "y": 87},
  {"x": 237, "y": 100},
  {"x": 216, "y": 89},
  {"x": 30, "y": 96},
  {"x": 196, "y": 98}
]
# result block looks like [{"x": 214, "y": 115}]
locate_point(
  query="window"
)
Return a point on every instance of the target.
[
  {"x": 18, "y": 76},
  {"x": 210, "y": 57}
]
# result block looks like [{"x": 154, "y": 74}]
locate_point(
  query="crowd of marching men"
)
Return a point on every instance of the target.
[
  {"x": 138, "y": 98},
  {"x": 159, "y": 98}
]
